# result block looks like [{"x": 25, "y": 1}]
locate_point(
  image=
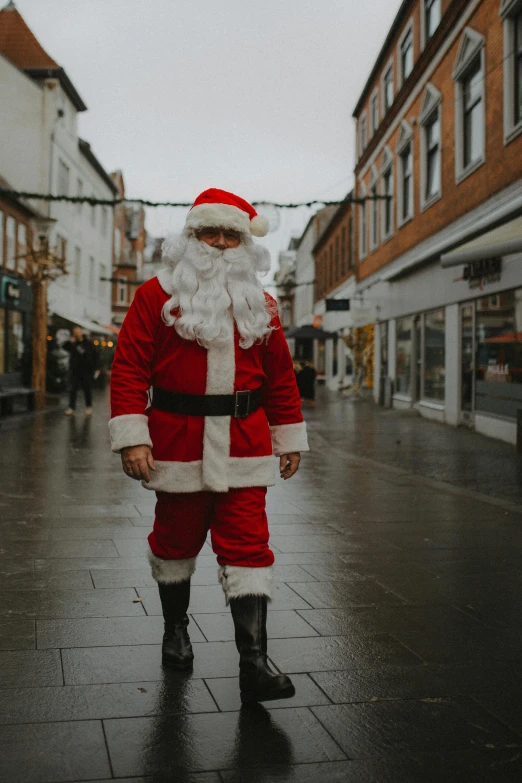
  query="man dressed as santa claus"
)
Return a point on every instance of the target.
[{"x": 203, "y": 395}]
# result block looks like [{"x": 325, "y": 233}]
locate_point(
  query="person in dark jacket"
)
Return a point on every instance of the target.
[{"x": 83, "y": 368}]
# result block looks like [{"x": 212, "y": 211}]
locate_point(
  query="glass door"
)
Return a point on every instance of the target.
[{"x": 467, "y": 362}]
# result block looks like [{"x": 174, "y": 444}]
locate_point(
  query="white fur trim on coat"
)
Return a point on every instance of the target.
[
  {"x": 220, "y": 216},
  {"x": 132, "y": 429},
  {"x": 221, "y": 373},
  {"x": 188, "y": 476},
  {"x": 287, "y": 438},
  {"x": 238, "y": 581},
  {"x": 171, "y": 572}
]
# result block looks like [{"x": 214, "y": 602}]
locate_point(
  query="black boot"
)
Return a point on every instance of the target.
[
  {"x": 257, "y": 681},
  {"x": 176, "y": 651}
]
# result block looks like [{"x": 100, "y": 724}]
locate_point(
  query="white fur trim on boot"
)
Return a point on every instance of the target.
[
  {"x": 287, "y": 438},
  {"x": 237, "y": 581},
  {"x": 170, "y": 572}
]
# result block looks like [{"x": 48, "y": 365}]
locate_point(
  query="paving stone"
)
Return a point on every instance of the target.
[
  {"x": 87, "y": 511},
  {"x": 336, "y": 652},
  {"x": 479, "y": 644},
  {"x": 83, "y": 666},
  {"x": 363, "y": 592},
  {"x": 225, "y": 691},
  {"x": 366, "y": 730},
  {"x": 90, "y": 563},
  {"x": 221, "y": 740},
  {"x": 17, "y": 635},
  {"x": 70, "y": 580},
  {"x": 54, "y": 752},
  {"x": 23, "y": 603},
  {"x": 30, "y": 668},
  {"x": 313, "y": 543},
  {"x": 176, "y": 693},
  {"x": 104, "y": 631},
  {"x": 103, "y": 532},
  {"x": 89, "y": 603},
  {"x": 15, "y": 565},
  {"x": 219, "y": 627}
]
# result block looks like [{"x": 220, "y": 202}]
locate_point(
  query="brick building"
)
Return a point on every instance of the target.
[
  {"x": 439, "y": 131},
  {"x": 130, "y": 238}
]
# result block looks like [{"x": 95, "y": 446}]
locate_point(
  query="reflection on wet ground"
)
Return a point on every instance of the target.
[{"x": 396, "y": 610}]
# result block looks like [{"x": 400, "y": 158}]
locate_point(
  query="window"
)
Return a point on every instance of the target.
[
  {"x": 387, "y": 190},
  {"x": 511, "y": 11},
  {"x": 374, "y": 212},
  {"x": 363, "y": 225},
  {"x": 387, "y": 87},
  {"x": 406, "y": 54},
  {"x": 432, "y": 16},
  {"x": 434, "y": 359},
  {"x": 102, "y": 283},
  {"x": 93, "y": 213},
  {"x": 117, "y": 246},
  {"x": 375, "y": 111},
  {"x": 104, "y": 220},
  {"x": 63, "y": 178},
  {"x": 22, "y": 248},
  {"x": 430, "y": 123},
  {"x": 405, "y": 153},
  {"x": 15, "y": 341},
  {"x": 364, "y": 134},
  {"x": 404, "y": 348},
  {"x": 470, "y": 131},
  {"x": 79, "y": 192},
  {"x": 92, "y": 275},
  {"x": 122, "y": 291},
  {"x": 77, "y": 265},
  {"x": 10, "y": 251}
]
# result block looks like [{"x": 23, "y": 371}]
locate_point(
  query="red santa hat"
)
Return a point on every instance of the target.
[{"x": 215, "y": 207}]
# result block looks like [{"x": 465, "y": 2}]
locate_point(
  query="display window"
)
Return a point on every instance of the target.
[{"x": 404, "y": 352}]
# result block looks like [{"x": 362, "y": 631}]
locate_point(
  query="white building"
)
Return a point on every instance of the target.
[{"x": 41, "y": 152}]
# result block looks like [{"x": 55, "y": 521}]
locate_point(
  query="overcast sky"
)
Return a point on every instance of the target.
[{"x": 253, "y": 97}]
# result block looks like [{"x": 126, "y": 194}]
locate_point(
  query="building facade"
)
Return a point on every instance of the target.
[
  {"x": 42, "y": 153},
  {"x": 439, "y": 257},
  {"x": 130, "y": 239}
]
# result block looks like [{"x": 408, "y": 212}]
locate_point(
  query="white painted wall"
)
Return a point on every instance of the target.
[
  {"x": 34, "y": 140},
  {"x": 305, "y": 273}
]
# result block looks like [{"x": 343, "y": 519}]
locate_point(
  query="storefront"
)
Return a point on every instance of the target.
[{"x": 16, "y": 301}]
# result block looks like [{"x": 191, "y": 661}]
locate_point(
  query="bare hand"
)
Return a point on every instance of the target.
[
  {"x": 289, "y": 464},
  {"x": 136, "y": 462}
]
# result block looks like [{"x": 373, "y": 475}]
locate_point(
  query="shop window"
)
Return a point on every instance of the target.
[
  {"x": 406, "y": 53},
  {"x": 387, "y": 87},
  {"x": 404, "y": 348},
  {"x": 434, "y": 359},
  {"x": 383, "y": 334},
  {"x": 470, "y": 130},
  {"x": 10, "y": 250},
  {"x": 498, "y": 387},
  {"x": 511, "y": 11}
]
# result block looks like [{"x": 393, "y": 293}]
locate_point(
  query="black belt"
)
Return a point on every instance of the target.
[{"x": 239, "y": 405}]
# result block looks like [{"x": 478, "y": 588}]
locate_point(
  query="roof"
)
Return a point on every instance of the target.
[
  {"x": 85, "y": 149},
  {"x": 19, "y": 45},
  {"x": 308, "y": 332},
  {"x": 381, "y": 57},
  {"x": 19, "y": 202}
]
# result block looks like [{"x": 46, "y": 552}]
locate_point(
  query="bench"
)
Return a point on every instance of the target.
[{"x": 11, "y": 387}]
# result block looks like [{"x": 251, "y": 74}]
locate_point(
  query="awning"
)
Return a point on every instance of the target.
[
  {"x": 308, "y": 333},
  {"x": 502, "y": 241},
  {"x": 90, "y": 326}
]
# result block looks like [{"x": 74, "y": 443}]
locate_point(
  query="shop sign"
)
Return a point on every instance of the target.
[
  {"x": 487, "y": 270},
  {"x": 11, "y": 293},
  {"x": 337, "y": 305}
]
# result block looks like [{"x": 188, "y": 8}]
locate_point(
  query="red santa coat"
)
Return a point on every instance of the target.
[{"x": 196, "y": 453}]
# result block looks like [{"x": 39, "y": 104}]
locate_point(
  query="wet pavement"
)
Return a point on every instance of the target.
[{"x": 397, "y": 612}]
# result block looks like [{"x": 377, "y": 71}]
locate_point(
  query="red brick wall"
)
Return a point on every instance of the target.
[{"x": 334, "y": 262}]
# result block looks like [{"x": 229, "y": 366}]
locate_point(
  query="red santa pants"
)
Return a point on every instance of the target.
[{"x": 236, "y": 519}]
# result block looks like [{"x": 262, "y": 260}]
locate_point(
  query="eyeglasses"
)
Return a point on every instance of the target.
[{"x": 214, "y": 233}]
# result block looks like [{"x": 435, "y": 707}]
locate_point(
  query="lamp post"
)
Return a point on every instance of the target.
[{"x": 41, "y": 266}]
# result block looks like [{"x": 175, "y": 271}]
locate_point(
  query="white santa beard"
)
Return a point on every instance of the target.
[{"x": 207, "y": 282}]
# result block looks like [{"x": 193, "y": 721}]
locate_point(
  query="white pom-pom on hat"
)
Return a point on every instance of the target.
[{"x": 259, "y": 226}]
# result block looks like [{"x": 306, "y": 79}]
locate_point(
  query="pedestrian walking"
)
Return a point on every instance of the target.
[
  {"x": 83, "y": 368},
  {"x": 207, "y": 339},
  {"x": 307, "y": 378}
]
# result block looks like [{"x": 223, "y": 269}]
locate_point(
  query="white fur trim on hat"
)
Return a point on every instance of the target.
[
  {"x": 259, "y": 226},
  {"x": 288, "y": 438},
  {"x": 238, "y": 581},
  {"x": 131, "y": 429},
  {"x": 226, "y": 216},
  {"x": 171, "y": 572}
]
